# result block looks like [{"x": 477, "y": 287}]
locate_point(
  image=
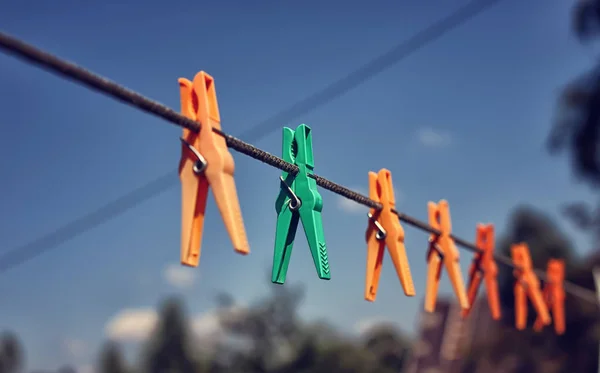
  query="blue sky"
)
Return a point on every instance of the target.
[{"x": 443, "y": 121}]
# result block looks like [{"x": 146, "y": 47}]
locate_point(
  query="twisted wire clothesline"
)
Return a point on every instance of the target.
[
  {"x": 20, "y": 254},
  {"x": 135, "y": 99}
]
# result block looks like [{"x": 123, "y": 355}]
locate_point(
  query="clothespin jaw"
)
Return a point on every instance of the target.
[
  {"x": 527, "y": 285},
  {"x": 299, "y": 199},
  {"x": 554, "y": 295},
  {"x": 442, "y": 249},
  {"x": 484, "y": 268},
  {"x": 384, "y": 229},
  {"x": 206, "y": 162}
]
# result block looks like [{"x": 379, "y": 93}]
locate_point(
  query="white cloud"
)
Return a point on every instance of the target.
[
  {"x": 433, "y": 138},
  {"x": 179, "y": 276},
  {"x": 75, "y": 348},
  {"x": 131, "y": 325},
  {"x": 85, "y": 368},
  {"x": 135, "y": 325},
  {"x": 365, "y": 325},
  {"x": 210, "y": 324}
]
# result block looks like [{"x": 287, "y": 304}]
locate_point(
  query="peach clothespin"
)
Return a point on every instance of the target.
[
  {"x": 384, "y": 229},
  {"x": 527, "y": 285},
  {"x": 206, "y": 162},
  {"x": 554, "y": 295},
  {"x": 442, "y": 248},
  {"x": 484, "y": 268}
]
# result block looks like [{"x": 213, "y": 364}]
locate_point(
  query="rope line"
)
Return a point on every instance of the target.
[{"x": 121, "y": 93}]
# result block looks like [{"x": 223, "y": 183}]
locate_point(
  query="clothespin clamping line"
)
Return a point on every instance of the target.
[
  {"x": 299, "y": 199},
  {"x": 206, "y": 163},
  {"x": 484, "y": 268},
  {"x": 384, "y": 229},
  {"x": 527, "y": 285},
  {"x": 554, "y": 296},
  {"x": 442, "y": 249}
]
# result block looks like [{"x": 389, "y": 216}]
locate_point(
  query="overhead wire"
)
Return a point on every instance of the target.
[{"x": 91, "y": 80}]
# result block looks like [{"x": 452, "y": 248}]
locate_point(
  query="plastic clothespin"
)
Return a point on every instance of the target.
[
  {"x": 554, "y": 295},
  {"x": 299, "y": 199},
  {"x": 527, "y": 285},
  {"x": 442, "y": 248},
  {"x": 384, "y": 229},
  {"x": 206, "y": 163},
  {"x": 484, "y": 268}
]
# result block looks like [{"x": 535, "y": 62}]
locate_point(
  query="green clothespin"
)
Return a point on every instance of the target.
[{"x": 299, "y": 199}]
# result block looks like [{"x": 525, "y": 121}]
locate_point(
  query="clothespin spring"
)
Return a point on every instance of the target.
[
  {"x": 201, "y": 163},
  {"x": 294, "y": 201},
  {"x": 381, "y": 233},
  {"x": 434, "y": 246}
]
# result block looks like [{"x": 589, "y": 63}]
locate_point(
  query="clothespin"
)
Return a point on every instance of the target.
[
  {"x": 554, "y": 295},
  {"x": 299, "y": 199},
  {"x": 206, "y": 163},
  {"x": 527, "y": 285},
  {"x": 384, "y": 229},
  {"x": 484, "y": 267},
  {"x": 442, "y": 248}
]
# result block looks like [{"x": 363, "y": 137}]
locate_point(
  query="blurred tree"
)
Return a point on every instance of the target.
[
  {"x": 545, "y": 241},
  {"x": 11, "y": 354},
  {"x": 66, "y": 369},
  {"x": 389, "y": 346},
  {"x": 577, "y": 127},
  {"x": 278, "y": 341},
  {"x": 577, "y": 349},
  {"x": 112, "y": 360},
  {"x": 168, "y": 349}
]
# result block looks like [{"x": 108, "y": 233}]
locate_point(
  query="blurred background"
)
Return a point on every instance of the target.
[{"x": 500, "y": 115}]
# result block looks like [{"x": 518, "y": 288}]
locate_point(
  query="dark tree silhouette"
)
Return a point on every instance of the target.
[
  {"x": 112, "y": 360},
  {"x": 576, "y": 130},
  {"x": 11, "y": 354},
  {"x": 577, "y": 349},
  {"x": 168, "y": 348}
]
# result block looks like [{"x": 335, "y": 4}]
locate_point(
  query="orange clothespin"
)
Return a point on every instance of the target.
[
  {"x": 385, "y": 229},
  {"x": 206, "y": 162},
  {"x": 554, "y": 295},
  {"x": 484, "y": 267},
  {"x": 442, "y": 248},
  {"x": 527, "y": 285}
]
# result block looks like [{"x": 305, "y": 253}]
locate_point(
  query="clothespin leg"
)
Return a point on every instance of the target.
[
  {"x": 434, "y": 271},
  {"x": 313, "y": 228},
  {"x": 375, "y": 249},
  {"x": 193, "y": 211},
  {"x": 538, "y": 325},
  {"x": 475, "y": 277},
  {"x": 287, "y": 224},
  {"x": 558, "y": 315},
  {"x": 223, "y": 187},
  {"x": 493, "y": 296},
  {"x": 520, "y": 306},
  {"x": 456, "y": 278},
  {"x": 540, "y": 307},
  {"x": 400, "y": 259}
]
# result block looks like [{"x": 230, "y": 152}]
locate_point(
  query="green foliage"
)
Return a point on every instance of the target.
[
  {"x": 577, "y": 127},
  {"x": 267, "y": 337}
]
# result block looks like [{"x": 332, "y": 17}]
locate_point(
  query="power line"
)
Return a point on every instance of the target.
[
  {"x": 119, "y": 206},
  {"x": 96, "y": 82}
]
